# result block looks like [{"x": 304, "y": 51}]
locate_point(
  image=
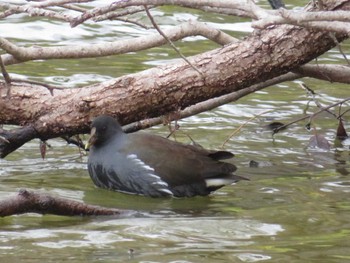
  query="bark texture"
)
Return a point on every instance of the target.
[
  {"x": 30, "y": 202},
  {"x": 162, "y": 90}
]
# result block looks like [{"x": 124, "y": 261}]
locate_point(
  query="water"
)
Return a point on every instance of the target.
[{"x": 295, "y": 208}]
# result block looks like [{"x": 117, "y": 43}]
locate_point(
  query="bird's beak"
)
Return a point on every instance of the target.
[{"x": 92, "y": 139}]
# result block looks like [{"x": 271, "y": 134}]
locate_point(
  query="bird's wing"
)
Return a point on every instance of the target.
[
  {"x": 143, "y": 179},
  {"x": 175, "y": 163},
  {"x": 126, "y": 173}
]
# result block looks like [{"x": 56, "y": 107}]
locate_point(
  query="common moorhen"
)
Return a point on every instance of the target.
[{"x": 150, "y": 165}]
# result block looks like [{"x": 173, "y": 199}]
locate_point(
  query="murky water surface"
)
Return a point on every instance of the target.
[{"x": 295, "y": 208}]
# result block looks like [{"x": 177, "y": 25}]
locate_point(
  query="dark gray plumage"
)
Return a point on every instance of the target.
[{"x": 151, "y": 165}]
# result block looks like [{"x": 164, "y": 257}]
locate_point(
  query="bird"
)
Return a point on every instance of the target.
[{"x": 150, "y": 165}]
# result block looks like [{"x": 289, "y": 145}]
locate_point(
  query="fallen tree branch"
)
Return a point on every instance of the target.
[
  {"x": 15, "y": 138},
  {"x": 209, "y": 104},
  {"x": 30, "y": 202},
  {"x": 327, "y": 72},
  {"x": 18, "y": 54}
]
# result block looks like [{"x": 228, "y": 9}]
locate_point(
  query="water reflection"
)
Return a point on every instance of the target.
[{"x": 164, "y": 238}]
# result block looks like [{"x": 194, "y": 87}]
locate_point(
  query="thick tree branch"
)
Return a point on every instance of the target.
[
  {"x": 15, "y": 138},
  {"x": 209, "y": 104},
  {"x": 330, "y": 72},
  {"x": 30, "y": 202}
]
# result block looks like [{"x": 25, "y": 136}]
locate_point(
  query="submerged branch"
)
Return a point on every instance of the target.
[{"x": 31, "y": 202}]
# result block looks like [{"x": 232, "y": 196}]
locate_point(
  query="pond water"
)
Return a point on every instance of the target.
[{"x": 295, "y": 208}]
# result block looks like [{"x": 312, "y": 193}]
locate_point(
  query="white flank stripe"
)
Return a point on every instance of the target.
[
  {"x": 159, "y": 182},
  {"x": 218, "y": 182},
  {"x": 154, "y": 176},
  {"x": 166, "y": 191},
  {"x": 138, "y": 161}
]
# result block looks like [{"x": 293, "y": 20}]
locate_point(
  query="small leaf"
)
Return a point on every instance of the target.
[
  {"x": 319, "y": 141},
  {"x": 341, "y": 132},
  {"x": 42, "y": 149}
]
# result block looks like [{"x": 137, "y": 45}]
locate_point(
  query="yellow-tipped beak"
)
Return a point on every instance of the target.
[
  {"x": 92, "y": 139},
  {"x": 87, "y": 146}
]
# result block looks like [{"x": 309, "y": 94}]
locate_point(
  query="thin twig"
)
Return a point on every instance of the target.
[
  {"x": 4, "y": 72},
  {"x": 77, "y": 142},
  {"x": 241, "y": 126},
  {"x": 311, "y": 116},
  {"x": 312, "y": 93},
  {"x": 131, "y": 21},
  {"x": 170, "y": 42},
  {"x": 51, "y": 88},
  {"x": 332, "y": 35},
  {"x": 120, "y": 13},
  {"x": 6, "y": 77},
  {"x": 74, "y": 8}
]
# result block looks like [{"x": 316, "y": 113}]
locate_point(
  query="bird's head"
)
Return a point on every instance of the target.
[{"x": 103, "y": 128}]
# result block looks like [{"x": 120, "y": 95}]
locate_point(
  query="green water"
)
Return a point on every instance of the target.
[{"x": 295, "y": 208}]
